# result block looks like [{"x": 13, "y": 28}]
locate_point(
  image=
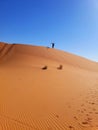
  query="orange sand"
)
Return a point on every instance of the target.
[{"x": 52, "y": 99}]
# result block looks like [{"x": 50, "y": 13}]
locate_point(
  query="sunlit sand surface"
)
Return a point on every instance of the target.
[{"x": 33, "y": 98}]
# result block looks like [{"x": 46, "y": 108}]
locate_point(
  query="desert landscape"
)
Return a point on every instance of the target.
[{"x": 33, "y": 98}]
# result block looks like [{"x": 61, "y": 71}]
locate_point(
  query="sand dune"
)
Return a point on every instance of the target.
[{"x": 35, "y": 99}]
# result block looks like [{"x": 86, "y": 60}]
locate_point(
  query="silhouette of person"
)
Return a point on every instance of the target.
[{"x": 52, "y": 45}]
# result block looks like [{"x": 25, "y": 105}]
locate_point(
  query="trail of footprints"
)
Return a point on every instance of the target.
[{"x": 87, "y": 114}]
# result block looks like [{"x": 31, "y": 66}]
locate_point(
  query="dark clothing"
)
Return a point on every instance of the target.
[{"x": 52, "y": 45}]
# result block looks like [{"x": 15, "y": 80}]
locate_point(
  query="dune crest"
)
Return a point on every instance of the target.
[
  {"x": 46, "y": 89},
  {"x": 20, "y": 51}
]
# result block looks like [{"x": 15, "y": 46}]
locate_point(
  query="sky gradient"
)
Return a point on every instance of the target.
[{"x": 71, "y": 24}]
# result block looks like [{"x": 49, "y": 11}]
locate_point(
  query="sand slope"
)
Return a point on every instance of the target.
[{"x": 52, "y": 99}]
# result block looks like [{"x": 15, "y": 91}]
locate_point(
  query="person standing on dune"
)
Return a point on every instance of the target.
[{"x": 52, "y": 45}]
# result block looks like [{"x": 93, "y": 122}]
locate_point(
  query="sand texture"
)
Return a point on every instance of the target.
[{"x": 33, "y": 97}]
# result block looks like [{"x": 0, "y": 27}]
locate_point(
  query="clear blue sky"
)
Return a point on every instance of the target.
[{"x": 71, "y": 24}]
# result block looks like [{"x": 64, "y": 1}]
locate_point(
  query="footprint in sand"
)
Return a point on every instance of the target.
[
  {"x": 84, "y": 109},
  {"x": 91, "y": 103},
  {"x": 75, "y": 118},
  {"x": 85, "y": 123},
  {"x": 57, "y": 116},
  {"x": 96, "y": 112},
  {"x": 89, "y": 119},
  {"x": 87, "y": 115},
  {"x": 90, "y": 112},
  {"x": 82, "y": 105},
  {"x": 71, "y": 127}
]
